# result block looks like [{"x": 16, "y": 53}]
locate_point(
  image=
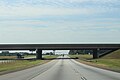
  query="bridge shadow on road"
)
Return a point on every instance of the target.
[
  {"x": 58, "y": 58},
  {"x": 41, "y": 59}
]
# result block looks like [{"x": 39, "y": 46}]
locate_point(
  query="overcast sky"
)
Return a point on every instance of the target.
[{"x": 59, "y": 21}]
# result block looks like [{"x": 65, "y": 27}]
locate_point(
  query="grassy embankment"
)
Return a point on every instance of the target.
[
  {"x": 110, "y": 61},
  {"x": 16, "y": 65}
]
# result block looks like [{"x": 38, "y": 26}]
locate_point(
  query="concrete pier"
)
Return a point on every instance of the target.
[
  {"x": 95, "y": 53},
  {"x": 39, "y": 54}
]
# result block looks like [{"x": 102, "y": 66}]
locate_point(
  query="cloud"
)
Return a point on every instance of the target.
[
  {"x": 37, "y": 8},
  {"x": 59, "y": 21},
  {"x": 35, "y": 11},
  {"x": 50, "y": 35},
  {"x": 61, "y": 3},
  {"x": 22, "y": 23}
]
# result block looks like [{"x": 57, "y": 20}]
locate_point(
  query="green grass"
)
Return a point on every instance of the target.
[
  {"x": 110, "y": 62},
  {"x": 106, "y": 63},
  {"x": 19, "y": 64},
  {"x": 22, "y": 64},
  {"x": 82, "y": 57},
  {"x": 27, "y": 56},
  {"x": 113, "y": 55},
  {"x": 113, "y": 64},
  {"x": 50, "y": 56}
]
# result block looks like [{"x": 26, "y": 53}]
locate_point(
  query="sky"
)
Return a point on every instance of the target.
[
  {"x": 59, "y": 21},
  {"x": 43, "y": 51}
]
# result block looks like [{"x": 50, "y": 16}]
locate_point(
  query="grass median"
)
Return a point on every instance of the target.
[{"x": 16, "y": 65}]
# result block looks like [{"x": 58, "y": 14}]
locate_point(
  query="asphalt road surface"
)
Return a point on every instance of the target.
[{"x": 62, "y": 69}]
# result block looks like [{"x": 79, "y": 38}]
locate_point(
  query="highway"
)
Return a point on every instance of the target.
[{"x": 62, "y": 69}]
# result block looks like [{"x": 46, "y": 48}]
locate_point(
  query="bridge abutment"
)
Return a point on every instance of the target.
[{"x": 39, "y": 54}]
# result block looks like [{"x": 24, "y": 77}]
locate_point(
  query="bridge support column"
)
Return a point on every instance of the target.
[
  {"x": 39, "y": 54},
  {"x": 95, "y": 54}
]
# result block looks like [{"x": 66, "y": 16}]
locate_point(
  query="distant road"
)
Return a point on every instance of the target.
[
  {"x": 62, "y": 69},
  {"x": 5, "y": 61}
]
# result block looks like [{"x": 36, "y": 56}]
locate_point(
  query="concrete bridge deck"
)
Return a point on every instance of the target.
[
  {"x": 57, "y": 46},
  {"x": 40, "y": 47}
]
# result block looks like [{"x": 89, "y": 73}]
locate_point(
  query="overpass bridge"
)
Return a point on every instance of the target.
[{"x": 40, "y": 47}]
